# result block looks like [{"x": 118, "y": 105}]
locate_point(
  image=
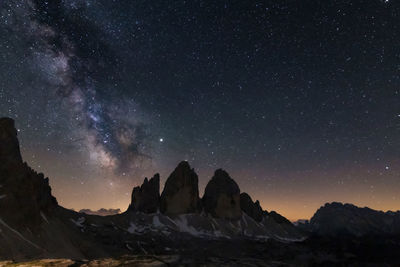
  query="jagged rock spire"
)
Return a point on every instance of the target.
[
  {"x": 146, "y": 198},
  {"x": 253, "y": 209}
]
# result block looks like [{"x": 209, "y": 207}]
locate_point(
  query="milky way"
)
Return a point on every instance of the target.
[
  {"x": 296, "y": 99},
  {"x": 78, "y": 66}
]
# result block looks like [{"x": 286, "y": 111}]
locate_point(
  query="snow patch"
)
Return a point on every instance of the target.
[
  {"x": 171, "y": 220},
  {"x": 183, "y": 226},
  {"x": 129, "y": 247},
  {"x": 44, "y": 217},
  {"x": 286, "y": 239},
  {"x": 157, "y": 223},
  {"x": 155, "y": 226},
  {"x": 132, "y": 228},
  {"x": 78, "y": 222},
  {"x": 137, "y": 229},
  {"x": 140, "y": 246}
]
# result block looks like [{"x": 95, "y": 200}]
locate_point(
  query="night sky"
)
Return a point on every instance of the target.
[{"x": 298, "y": 100}]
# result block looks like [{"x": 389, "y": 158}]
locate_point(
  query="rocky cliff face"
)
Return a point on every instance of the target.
[
  {"x": 146, "y": 198},
  {"x": 181, "y": 191},
  {"x": 253, "y": 209},
  {"x": 222, "y": 196},
  {"x": 25, "y": 195}
]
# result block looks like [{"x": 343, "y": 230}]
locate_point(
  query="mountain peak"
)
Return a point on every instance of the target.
[
  {"x": 338, "y": 218},
  {"x": 146, "y": 198},
  {"x": 181, "y": 191},
  {"x": 222, "y": 196}
]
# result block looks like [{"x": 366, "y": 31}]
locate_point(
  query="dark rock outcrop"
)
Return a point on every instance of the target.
[
  {"x": 278, "y": 218},
  {"x": 181, "y": 191},
  {"x": 253, "y": 209},
  {"x": 25, "y": 195},
  {"x": 222, "y": 196},
  {"x": 146, "y": 198}
]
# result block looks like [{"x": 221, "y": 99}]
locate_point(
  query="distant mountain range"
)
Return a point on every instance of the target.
[
  {"x": 33, "y": 225},
  {"x": 101, "y": 212},
  {"x": 346, "y": 219}
]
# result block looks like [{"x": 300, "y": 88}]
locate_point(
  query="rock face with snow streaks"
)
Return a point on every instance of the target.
[
  {"x": 181, "y": 191},
  {"x": 222, "y": 196}
]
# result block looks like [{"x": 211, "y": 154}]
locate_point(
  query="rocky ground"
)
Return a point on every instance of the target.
[
  {"x": 315, "y": 251},
  {"x": 144, "y": 261}
]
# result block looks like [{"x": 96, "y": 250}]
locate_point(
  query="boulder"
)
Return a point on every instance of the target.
[
  {"x": 181, "y": 191},
  {"x": 146, "y": 198},
  {"x": 253, "y": 209},
  {"x": 222, "y": 196}
]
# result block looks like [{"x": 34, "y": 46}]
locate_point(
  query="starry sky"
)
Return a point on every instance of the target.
[{"x": 298, "y": 100}]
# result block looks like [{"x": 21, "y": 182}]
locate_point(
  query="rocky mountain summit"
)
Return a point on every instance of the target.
[
  {"x": 181, "y": 191},
  {"x": 221, "y": 213},
  {"x": 146, "y": 198},
  {"x": 346, "y": 219},
  {"x": 222, "y": 196}
]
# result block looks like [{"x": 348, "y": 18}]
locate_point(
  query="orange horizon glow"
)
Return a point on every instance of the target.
[{"x": 294, "y": 195}]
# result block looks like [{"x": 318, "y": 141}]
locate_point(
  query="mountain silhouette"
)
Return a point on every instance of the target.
[{"x": 178, "y": 227}]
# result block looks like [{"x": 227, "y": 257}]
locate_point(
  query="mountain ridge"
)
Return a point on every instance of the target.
[
  {"x": 30, "y": 232},
  {"x": 347, "y": 219},
  {"x": 232, "y": 226}
]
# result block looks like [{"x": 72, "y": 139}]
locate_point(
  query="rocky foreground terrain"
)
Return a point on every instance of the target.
[{"x": 225, "y": 227}]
